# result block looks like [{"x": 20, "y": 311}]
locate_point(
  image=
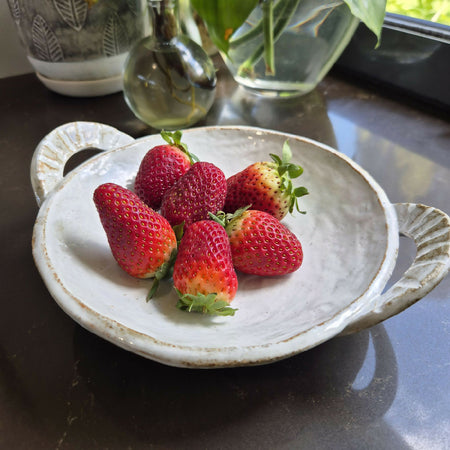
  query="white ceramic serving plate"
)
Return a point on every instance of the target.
[{"x": 349, "y": 237}]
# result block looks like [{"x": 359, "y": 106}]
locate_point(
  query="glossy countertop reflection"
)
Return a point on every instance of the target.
[{"x": 388, "y": 387}]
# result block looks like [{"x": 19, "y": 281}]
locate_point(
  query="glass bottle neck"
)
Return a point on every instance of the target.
[{"x": 164, "y": 16}]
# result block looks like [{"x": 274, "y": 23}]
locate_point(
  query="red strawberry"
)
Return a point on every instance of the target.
[
  {"x": 161, "y": 167},
  {"x": 261, "y": 244},
  {"x": 203, "y": 273},
  {"x": 202, "y": 189},
  {"x": 141, "y": 240},
  {"x": 266, "y": 186}
]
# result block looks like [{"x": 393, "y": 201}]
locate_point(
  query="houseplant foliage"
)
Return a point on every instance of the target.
[{"x": 224, "y": 17}]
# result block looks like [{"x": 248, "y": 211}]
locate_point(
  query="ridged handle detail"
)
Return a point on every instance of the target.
[
  {"x": 55, "y": 149},
  {"x": 429, "y": 228}
]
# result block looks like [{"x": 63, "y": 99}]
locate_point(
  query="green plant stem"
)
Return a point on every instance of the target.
[
  {"x": 247, "y": 67},
  {"x": 257, "y": 30},
  {"x": 269, "y": 51}
]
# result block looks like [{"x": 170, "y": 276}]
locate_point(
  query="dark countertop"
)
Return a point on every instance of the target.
[{"x": 387, "y": 387}]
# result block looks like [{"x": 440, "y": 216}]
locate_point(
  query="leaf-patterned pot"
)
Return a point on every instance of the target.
[{"x": 77, "y": 47}]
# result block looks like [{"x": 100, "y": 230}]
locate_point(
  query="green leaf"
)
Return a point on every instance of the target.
[
  {"x": 220, "y": 217},
  {"x": 153, "y": 289},
  {"x": 276, "y": 159},
  {"x": 224, "y": 219},
  {"x": 288, "y": 189},
  {"x": 286, "y": 152},
  {"x": 370, "y": 12},
  {"x": 282, "y": 169},
  {"x": 300, "y": 191},
  {"x": 294, "y": 170},
  {"x": 179, "y": 231},
  {"x": 165, "y": 271},
  {"x": 172, "y": 138},
  {"x": 223, "y": 17}
]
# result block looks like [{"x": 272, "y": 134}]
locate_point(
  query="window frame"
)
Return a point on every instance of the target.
[{"x": 427, "y": 79}]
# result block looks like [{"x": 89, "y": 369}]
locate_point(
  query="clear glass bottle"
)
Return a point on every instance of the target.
[{"x": 169, "y": 80}]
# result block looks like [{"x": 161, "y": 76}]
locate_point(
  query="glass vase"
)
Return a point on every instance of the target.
[
  {"x": 308, "y": 37},
  {"x": 169, "y": 81}
]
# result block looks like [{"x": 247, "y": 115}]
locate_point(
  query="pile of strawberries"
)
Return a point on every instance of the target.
[{"x": 207, "y": 226}]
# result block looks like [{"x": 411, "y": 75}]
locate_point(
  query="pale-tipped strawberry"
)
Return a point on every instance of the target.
[
  {"x": 266, "y": 186},
  {"x": 202, "y": 189},
  {"x": 161, "y": 167},
  {"x": 141, "y": 240},
  {"x": 203, "y": 273},
  {"x": 260, "y": 244}
]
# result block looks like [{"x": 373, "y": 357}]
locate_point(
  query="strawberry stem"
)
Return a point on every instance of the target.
[{"x": 174, "y": 139}]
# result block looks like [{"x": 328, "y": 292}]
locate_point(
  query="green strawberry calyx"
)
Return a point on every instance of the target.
[
  {"x": 288, "y": 171},
  {"x": 174, "y": 139},
  {"x": 224, "y": 218},
  {"x": 205, "y": 304},
  {"x": 164, "y": 271}
]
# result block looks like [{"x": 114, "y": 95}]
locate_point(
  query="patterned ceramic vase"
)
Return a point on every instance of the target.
[{"x": 78, "y": 47}]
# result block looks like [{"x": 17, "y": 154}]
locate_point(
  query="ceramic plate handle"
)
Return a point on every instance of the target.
[
  {"x": 430, "y": 229},
  {"x": 52, "y": 153}
]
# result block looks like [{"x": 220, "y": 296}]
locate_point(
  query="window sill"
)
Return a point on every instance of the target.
[{"x": 413, "y": 58}]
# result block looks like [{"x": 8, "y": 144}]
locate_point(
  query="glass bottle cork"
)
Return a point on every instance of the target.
[{"x": 169, "y": 80}]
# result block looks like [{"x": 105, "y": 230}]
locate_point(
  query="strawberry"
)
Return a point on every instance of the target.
[
  {"x": 260, "y": 243},
  {"x": 203, "y": 273},
  {"x": 161, "y": 167},
  {"x": 141, "y": 240},
  {"x": 200, "y": 190},
  {"x": 266, "y": 186}
]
